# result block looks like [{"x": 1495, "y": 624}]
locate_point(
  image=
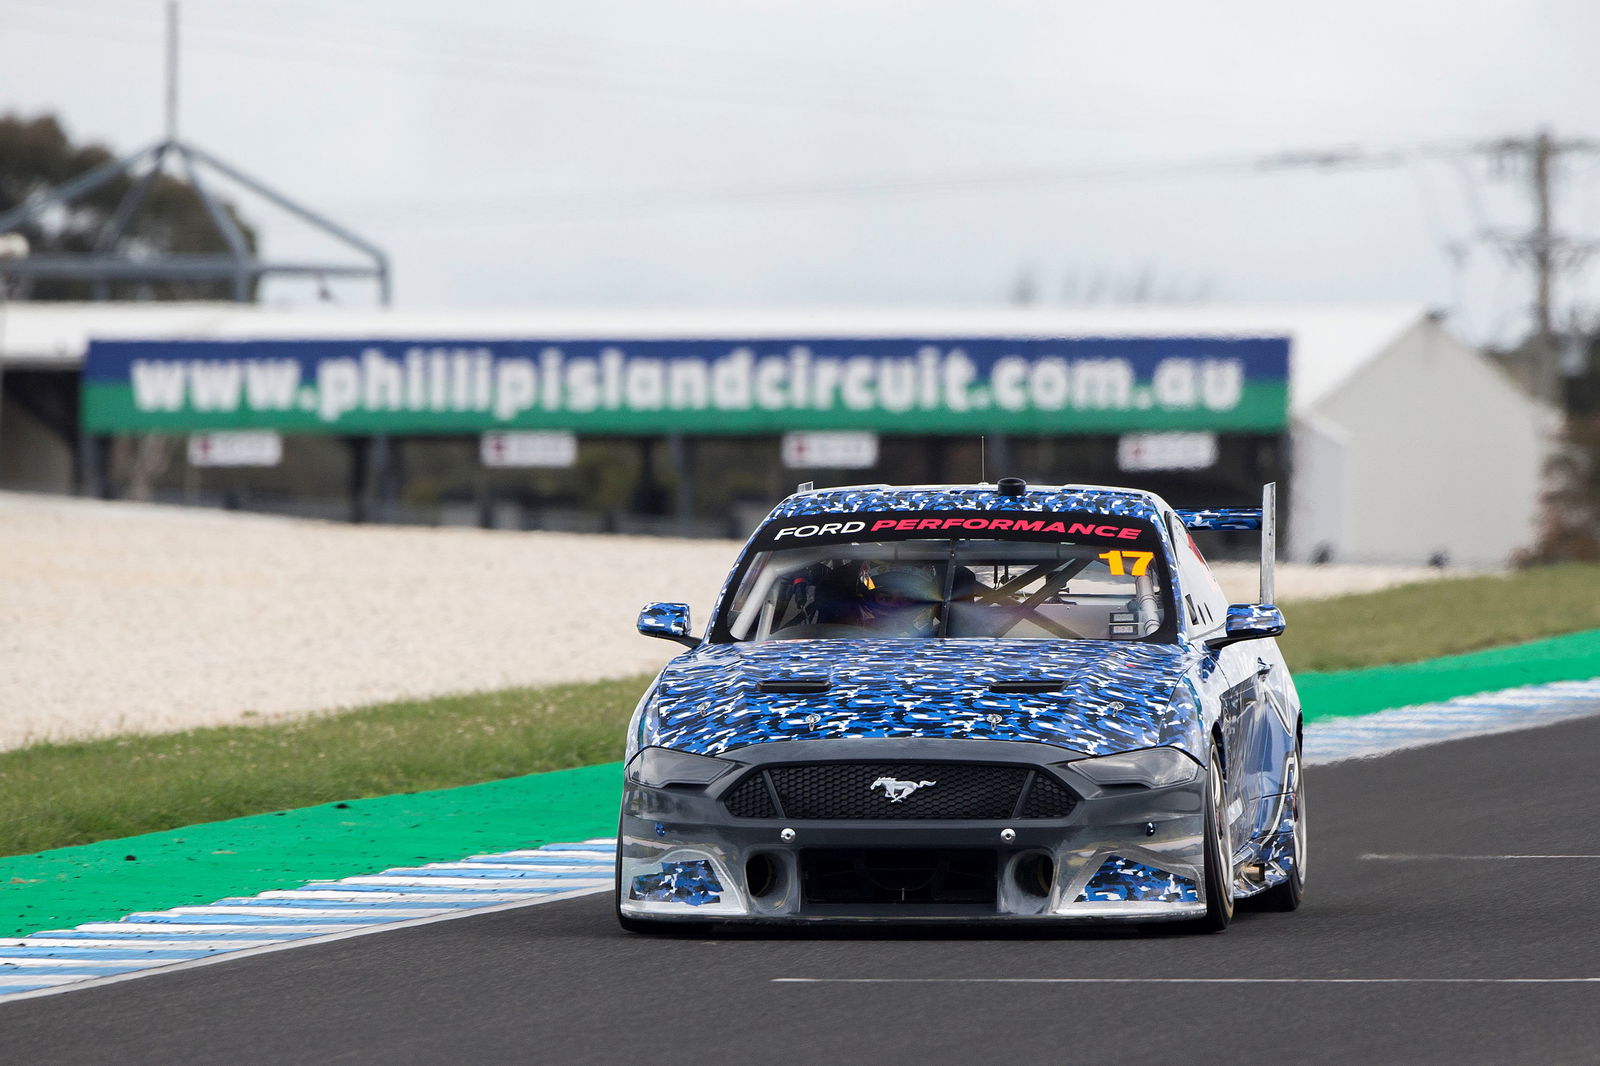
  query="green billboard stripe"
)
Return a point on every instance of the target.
[
  {"x": 1573, "y": 657},
  {"x": 242, "y": 856},
  {"x": 110, "y": 408}
]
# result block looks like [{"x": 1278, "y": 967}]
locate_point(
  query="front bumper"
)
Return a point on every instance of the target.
[{"x": 1124, "y": 852}]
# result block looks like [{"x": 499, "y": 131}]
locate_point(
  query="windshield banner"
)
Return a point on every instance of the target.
[
  {"x": 955, "y": 386},
  {"x": 965, "y": 525}
]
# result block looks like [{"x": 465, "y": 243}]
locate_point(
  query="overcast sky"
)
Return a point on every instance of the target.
[{"x": 710, "y": 153}]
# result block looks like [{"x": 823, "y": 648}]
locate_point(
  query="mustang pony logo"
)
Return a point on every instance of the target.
[{"x": 898, "y": 790}]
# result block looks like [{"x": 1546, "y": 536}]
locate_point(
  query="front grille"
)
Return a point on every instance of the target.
[
  {"x": 899, "y": 792},
  {"x": 926, "y": 790},
  {"x": 1047, "y": 799},
  {"x": 751, "y": 798}
]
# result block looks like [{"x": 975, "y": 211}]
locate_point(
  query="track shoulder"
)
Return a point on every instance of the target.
[{"x": 563, "y": 980}]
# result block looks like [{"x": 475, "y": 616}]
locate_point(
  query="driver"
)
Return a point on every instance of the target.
[{"x": 901, "y": 599}]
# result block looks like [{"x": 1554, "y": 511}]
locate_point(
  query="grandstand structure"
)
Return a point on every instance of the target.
[{"x": 1396, "y": 441}]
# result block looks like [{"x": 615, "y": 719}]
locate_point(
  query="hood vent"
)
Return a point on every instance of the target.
[
  {"x": 1034, "y": 685},
  {"x": 794, "y": 685}
]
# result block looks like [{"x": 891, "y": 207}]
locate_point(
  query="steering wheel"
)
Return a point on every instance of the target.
[{"x": 813, "y": 630}]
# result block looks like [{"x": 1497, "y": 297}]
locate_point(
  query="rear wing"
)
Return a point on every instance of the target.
[{"x": 1264, "y": 518}]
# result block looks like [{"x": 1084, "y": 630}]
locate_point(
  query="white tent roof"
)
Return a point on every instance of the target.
[{"x": 1329, "y": 344}]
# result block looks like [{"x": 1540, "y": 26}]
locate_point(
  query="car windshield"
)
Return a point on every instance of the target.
[{"x": 930, "y": 587}]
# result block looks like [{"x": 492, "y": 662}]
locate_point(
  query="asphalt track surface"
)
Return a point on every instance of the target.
[{"x": 1423, "y": 939}]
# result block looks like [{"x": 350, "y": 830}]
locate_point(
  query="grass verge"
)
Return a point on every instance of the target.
[
  {"x": 55, "y": 795},
  {"x": 1415, "y": 622}
]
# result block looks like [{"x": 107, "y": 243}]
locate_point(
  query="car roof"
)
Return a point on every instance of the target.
[{"x": 1094, "y": 499}]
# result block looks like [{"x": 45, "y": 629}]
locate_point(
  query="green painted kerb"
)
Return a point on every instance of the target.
[
  {"x": 242, "y": 856},
  {"x": 1574, "y": 657}
]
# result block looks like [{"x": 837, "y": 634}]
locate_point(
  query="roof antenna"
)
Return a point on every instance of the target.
[{"x": 983, "y": 460}]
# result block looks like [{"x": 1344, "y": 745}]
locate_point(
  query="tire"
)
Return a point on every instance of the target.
[
  {"x": 1287, "y": 895},
  {"x": 1219, "y": 855}
]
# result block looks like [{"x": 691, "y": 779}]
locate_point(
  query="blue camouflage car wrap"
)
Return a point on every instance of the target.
[
  {"x": 1121, "y": 880},
  {"x": 1110, "y": 502},
  {"x": 1060, "y": 706},
  {"x": 693, "y": 882},
  {"x": 1115, "y": 695}
]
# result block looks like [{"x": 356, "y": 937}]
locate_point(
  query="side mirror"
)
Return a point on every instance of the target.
[
  {"x": 1249, "y": 621},
  {"x": 670, "y": 621}
]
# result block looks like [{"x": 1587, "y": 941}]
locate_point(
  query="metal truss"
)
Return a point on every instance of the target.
[{"x": 239, "y": 265}]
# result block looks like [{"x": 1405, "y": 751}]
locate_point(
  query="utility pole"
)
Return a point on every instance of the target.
[
  {"x": 1543, "y": 247},
  {"x": 172, "y": 70}
]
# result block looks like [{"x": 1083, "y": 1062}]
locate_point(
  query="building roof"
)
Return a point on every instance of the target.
[{"x": 1328, "y": 344}]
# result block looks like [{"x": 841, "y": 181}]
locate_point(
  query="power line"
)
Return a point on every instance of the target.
[
  {"x": 473, "y": 62},
  {"x": 822, "y": 191},
  {"x": 1543, "y": 246},
  {"x": 562, "y": 46},
  {"x": 1549, "y": 253},
  {"x": 513, "y": 44}
]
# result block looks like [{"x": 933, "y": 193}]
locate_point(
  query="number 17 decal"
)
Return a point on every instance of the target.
[{"x": 1114, "y": 560}]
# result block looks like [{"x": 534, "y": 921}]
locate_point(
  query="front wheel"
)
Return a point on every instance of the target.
[
  {"x": 1219, "y": 855},
  {"x": 1286, "y": 895}
]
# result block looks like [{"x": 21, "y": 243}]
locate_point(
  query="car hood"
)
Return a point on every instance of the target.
[{"x": 1113, "y": 696}]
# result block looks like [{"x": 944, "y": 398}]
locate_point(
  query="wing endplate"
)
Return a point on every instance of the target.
[
  {"x": 1264, "y": 518},
  {"x": 1222, "y": 518}
]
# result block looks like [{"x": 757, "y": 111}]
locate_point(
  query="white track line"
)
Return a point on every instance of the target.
[
  {"x": 45, "y": 940},
  {"x": 204, "y": 929},
  {"x": 1375, "y": 857},
  {"x": 8, "y": 963},
  {"x": 486, "y": 883},
  {"x": 31, "y": 982},
  {"x": 1184, "y": 980},
  {"x": 392, "y": 897},
  {"x": 536, "y": 867}
]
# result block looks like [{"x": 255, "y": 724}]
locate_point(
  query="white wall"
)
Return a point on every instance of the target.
[
  {"x": 1319, "y": 489},
  {"x": 1441, "y": 452}
]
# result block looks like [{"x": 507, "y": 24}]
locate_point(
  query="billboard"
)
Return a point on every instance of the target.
[{"x": 905, "y": 385}]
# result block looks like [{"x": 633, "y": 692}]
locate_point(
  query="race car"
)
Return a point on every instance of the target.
[{"x": 968, "y": 702}]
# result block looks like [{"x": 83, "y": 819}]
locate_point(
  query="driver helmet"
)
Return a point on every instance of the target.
[{"x": 902, "y": 599}]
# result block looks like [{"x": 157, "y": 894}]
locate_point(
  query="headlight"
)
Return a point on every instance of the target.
[
  {"x": 1151, "y": 767},
  {"x": 645, "y": 728},
  {"x": 660, "y": 767}
]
